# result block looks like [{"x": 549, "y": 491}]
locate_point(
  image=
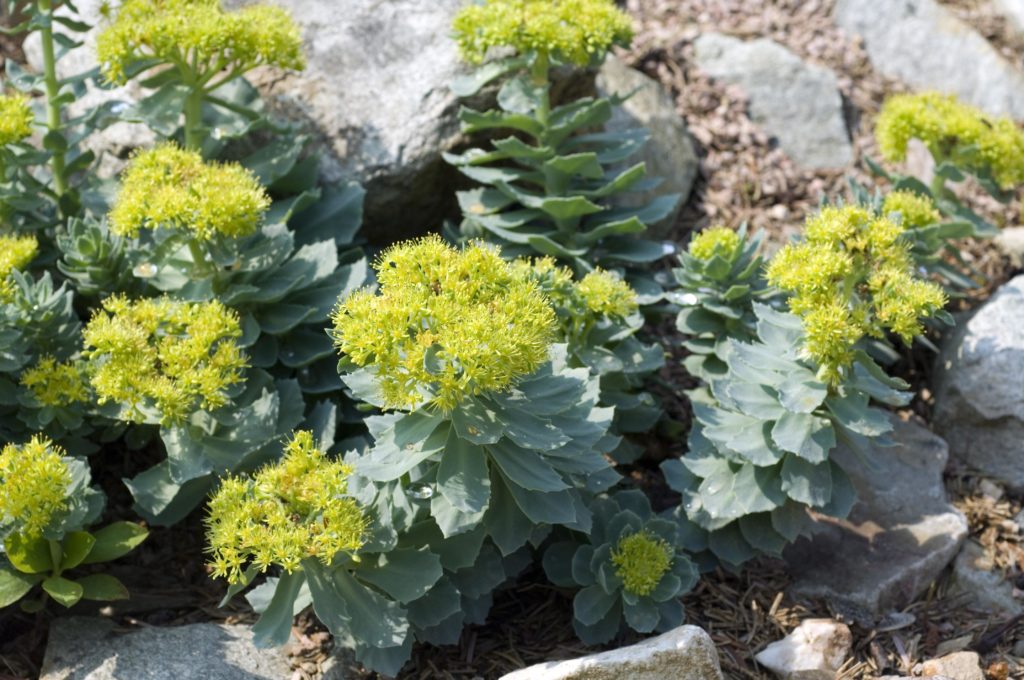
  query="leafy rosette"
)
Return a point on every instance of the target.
[
  {"x": 759, "y": 448},
  {"x": 719, "y": 277},
  {"x": 632, "y": 568}
]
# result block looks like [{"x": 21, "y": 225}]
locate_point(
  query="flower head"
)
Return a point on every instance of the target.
[
  {"x": 446, "y": 324},
  {"x": 607, "y": 294},
  {"x": 56, "y": 384},
  {"x": 287, "y": 512},
  {"x": 914, "y": 209},
  {"x": 717, "y": 240},
  {"x": 172, "y": 355},
  {"x": 172, "y": 188},
  {"x": 952, "y": 130},
  {"x": 34, "y": 484},
  {"x": 576, "y": 31},
  {"x": 851, "y": 277},
  {"x": 198, "y": 33},
  {"x": 15, "y": 119},
  {"x": 640, "y": 560},
  {"x": 15, "y": 253}
]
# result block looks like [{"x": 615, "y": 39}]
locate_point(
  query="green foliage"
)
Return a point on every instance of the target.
[
  {"x": 549, "y": 188},
  {"x": 632, "y": 567}
]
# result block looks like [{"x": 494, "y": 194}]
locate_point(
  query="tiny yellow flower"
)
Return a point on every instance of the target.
[
  {"x": 15, "y": 119},
  {"x": 914, "y": 209},
  {"x": 952, "y": 130},
  {"x": 641, "y": 560},
  {"x": 173, "y": 355},
  {"x": 34, "y": 483},
  {"x": 717, "y": 240},
  {"x": 15, "y": 253},
  {"x": 577, "y": 31},
  {"x": 198, "y": 33},
  {"x": 172, "y": 188},
  {"x": 606, "y": 294},
  {"x": 287, "y": 512},
  {"x": 56, "y": 384},
  {"x": 446, "y": 324}
]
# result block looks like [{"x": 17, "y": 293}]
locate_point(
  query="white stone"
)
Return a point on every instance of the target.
[
  {"x": 979, "y": 392},
  {"x": 669, "y": 153},
  {"x": 956, "y": 666},
  {"x": 684, "y": 653},
  {"x": 1013, "y": 10},
  {"x": 924, "y": 45},
  {"x": 1010, "y": 241},
  {"x": 795, "y": 102},
  {"x": 815, "y": 650}
]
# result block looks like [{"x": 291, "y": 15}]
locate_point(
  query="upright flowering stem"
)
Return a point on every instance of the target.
[
  {"x": 194, "y": 119},
  {"x": 53, "y": 109}
]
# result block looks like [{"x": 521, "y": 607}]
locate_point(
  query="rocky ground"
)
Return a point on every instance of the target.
[{"x": 779, "y": 97}]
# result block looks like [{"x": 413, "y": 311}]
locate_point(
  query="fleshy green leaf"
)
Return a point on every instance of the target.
[
  {"x": 102, "y": 587},
  {"x": 115, "y": 540},
  {"x": 63, "y": 591}
]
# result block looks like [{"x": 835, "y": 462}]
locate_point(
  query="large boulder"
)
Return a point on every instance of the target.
[
  {"x": 795, "y": 102},
  {"x": 669, "y": 153},
  {"x": 900, "y": 535},
  {"x": 82, "y": 648},
  {"x": 979, "y": 387},
  {"x": 924, "y": 45},
  {"x": 684, "y": 653}
]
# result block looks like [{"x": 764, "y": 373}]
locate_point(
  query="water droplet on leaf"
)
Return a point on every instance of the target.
[{"x": 420, "y": 492}]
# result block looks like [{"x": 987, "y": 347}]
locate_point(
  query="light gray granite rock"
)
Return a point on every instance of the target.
[
  {"x": 988, "y": 591},
  {"x": 1013, "y": 10},
  {"x": 924, "y": 45},
  {"x": 684, "y": 653},
  {"x": 81, "y": 648},
  {"x": 900, "y": 535},
  {"x": 979, "y": 389},
  {"x": 815, "y": 650},
  {"x": 956, "y": 666},
  {"x": 795, "y": 102},
  {"x": 669, "y": 153}
]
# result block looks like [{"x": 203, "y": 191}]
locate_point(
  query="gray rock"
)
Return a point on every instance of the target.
[
  {"x": 976, "y": 576},
  {"x": 669, "y": 153},
  {"x": 795, "y": 102},
  {"x": 1013, "y": 10},
  {"x": 900, "y": 535},
  {"x": 82, "y": 648},
  {"x": 684, "y": 653},
  {"x": 956, "y": 666},
  {"x": 979, "y": 393},
  {"x": 815, "y": 650},
  {"x": 925, "y": 46}
]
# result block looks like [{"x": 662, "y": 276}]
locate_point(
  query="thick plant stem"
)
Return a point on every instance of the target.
[
  {"x": 56, "y": 555},
  {"x": 540, "y": 76},
  {"x": 53, "y": 109},
  {"x": 194, "y": 119}
]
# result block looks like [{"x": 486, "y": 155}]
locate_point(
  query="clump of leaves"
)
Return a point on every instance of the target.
[
  {"x": 549, "y": 187},
  {"x": 46, "y": 504},
  {"x": 632, "y": 567}
]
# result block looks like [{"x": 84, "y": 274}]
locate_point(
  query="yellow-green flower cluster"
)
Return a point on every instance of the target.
[
  {"x": 171, "y": 354},
  {"x": 952, "y": 130},
  {"x": 293, "y": 510},
  {"x": 173, "y": 188},
  {"x": 605, "y": 293},
  {"x": 641, "y": 560},
  {"x": 15, "y": 118},
  {"x": 34, "y": 483},
  {"x": 57, "y": 384},
  {"x": 576, "y": 31},
  {"x": 15, "y": 253},
  {"x": 717, "y": 240},
  {"x": 916, "y": 210},
  {"x": 851, "y": 277},
  {"x": 446, "y": 324},
  {"x": 200, "y": 35}
]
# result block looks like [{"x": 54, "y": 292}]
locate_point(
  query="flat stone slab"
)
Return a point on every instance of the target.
[
  {"x": 669, "y": 153},
  {"x": 83, "y": 648},
  {"x": 795, "y": 102},
  {"x": 684, "y": 653},
  {"x": 925, "y": 46},
  {"x": 900, "y": 535},
  {"x": 979, "y": 387}
]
